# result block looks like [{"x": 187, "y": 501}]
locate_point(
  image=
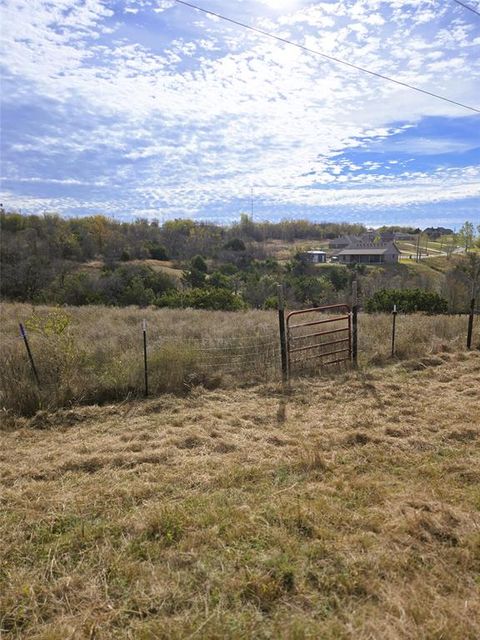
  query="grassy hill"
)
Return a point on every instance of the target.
[
  {"x": 164, "y": 266},
  {"x": 347, "y": 509}
]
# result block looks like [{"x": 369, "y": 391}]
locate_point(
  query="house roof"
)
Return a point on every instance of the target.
[{"x": 373, "y": 250}]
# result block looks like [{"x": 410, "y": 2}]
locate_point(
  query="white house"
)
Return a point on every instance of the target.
[{"x": 316, "y": 256}]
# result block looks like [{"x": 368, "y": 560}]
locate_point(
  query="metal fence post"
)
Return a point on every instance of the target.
[
  {"x": 394, "y": 316},
  {"x": 283, "y": 336},
  {"x": 145, "y": 361},
  {"x": 470, "y": 322},
  {"x": 354, "y": 323},
  {"x": 23, "y": 333},
  {"x": 475, "y": 274}
]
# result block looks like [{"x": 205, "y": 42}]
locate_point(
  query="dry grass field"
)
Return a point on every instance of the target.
[
  {"x": 166, "y": 266},
  {"x": 88, "y": 355},
  {"x": 283, "y": 250},
  {"x": 348, "y": 508}
]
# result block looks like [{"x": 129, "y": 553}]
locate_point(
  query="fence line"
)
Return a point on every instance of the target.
[{"x": 173, "y": 361}]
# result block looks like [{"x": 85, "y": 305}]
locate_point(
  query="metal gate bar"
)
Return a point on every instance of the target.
[
  {"x": 319, "y": 333},
  {"x": 310, "y": 324},
  {"x": 329, "y": 353},
  {"x": 293, "y": 336},
  {"x": 316, "y": 346}
]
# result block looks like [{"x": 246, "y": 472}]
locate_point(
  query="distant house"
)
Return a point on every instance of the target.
[
  {"x": 342, "y": 242},
  {"x": 369, "y": 253},
  {"x": 315, "y": 255},
  {"x": 371, "y": 236},
  {"x": 403, "y": 236},
  {"x": 437, "y": 232},
  {"x": 383, "y": 237}
]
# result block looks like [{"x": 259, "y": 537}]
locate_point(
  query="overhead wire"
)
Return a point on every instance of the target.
[
  {"x": 466, "y": 6},
  {"x": 267, "y": 34}
]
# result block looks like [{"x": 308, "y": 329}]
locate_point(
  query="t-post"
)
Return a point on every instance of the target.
[
  {"x": 23, "y": 333},
  {"x": 470, "y": 317},
  {"x": 283, "y": 335},
  {"x": 394, "y": 323},
  {"x": 145, "y": 361},
  {"x": 354, "y": 322}
]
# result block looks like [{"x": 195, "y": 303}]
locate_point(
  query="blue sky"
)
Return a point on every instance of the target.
[{"x": 148, "y": 108}]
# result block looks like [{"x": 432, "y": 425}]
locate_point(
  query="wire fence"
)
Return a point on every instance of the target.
[{"x": 46, "y": 371}]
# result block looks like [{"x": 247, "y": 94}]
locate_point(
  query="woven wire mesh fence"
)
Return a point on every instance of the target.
[{"x": 243, "y": 359}]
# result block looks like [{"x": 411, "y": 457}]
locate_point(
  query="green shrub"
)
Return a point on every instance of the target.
[
  {"x": 157, "y": 251},
  {"x": 407, "y": 301},
  {"x": 235, "y": 244},
  {"x": 75, "y": 289},
  {"x": 212, "y": 298}
]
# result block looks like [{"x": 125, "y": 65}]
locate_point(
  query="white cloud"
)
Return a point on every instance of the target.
[{"x": 219, "y": 109}]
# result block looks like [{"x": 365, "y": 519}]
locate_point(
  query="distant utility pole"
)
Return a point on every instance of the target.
[
  {"x": 417, "y": 258},
  {"x": 451, "y": 248},
  {"x": 251, "y": 203}
]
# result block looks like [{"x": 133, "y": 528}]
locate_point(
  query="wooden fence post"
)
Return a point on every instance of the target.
[
  {"x": 354, "y": 323},
  {"x": 23, "y": 333},
  {"x": 283, "y": 336}
]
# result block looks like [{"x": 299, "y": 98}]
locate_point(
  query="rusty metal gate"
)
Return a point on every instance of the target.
[{"x": 326, "y": 334}]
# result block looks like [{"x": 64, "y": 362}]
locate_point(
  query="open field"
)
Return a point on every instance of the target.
[
  {"x": 165, "y": 266},
  {"x": 95, "y": 354},
  {"x": 283, "y": 250},
  {"x": 434, "y": 246},
  {"x": 409, "y": 248},
  {"x": 347, "y": 509}
]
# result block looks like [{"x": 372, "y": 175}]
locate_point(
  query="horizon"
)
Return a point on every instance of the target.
[
  {"x": 324, "y": 221},
  {"x": 152, "y": 109}
]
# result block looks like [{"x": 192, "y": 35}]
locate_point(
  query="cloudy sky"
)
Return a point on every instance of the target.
[{"x": 149, "y": 108}]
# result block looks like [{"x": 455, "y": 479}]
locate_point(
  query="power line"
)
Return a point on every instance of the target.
[
  {"x": 328, "y": 57},
  {"x": 463, "y": 4}
]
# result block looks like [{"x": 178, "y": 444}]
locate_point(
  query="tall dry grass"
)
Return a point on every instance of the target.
[
  {"x": 347, "y": 510},
  {"x": 95, "y": 354}
]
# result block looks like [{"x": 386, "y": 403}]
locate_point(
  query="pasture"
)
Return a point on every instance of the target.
[
  {"x": 88, "y": 355},
  {"x": 345, "y": 510}
]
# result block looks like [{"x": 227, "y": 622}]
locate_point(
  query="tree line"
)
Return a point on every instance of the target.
[{"x": 48, "y": 259}]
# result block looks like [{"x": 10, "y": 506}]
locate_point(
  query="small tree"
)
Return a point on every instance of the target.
[
  {"x": 471, "y": 268},
  {"x": 196, "y": 276},
  {"x": 199, "y": 264},
  {"x": 466, "y": 235},
  {"x": 157, "y": 251}
]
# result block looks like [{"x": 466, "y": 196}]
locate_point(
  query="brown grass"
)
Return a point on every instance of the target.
[
  {"x": 345, "y": 509},
  {"x": 91, "y": 355},
  {"x": 166, "y": 266}
]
